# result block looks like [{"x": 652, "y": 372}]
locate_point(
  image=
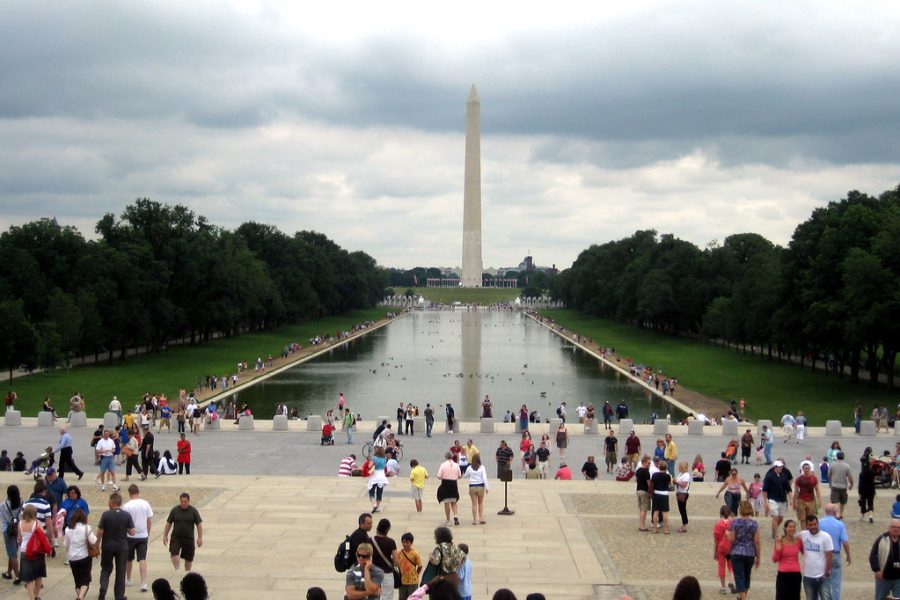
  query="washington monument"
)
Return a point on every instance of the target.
[{"x": 471, "y": 259}]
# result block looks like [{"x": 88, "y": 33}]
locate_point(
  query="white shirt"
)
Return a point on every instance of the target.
[
  {"x": 814, "y": 552},
  {"x": 141, "y": 513},
  {"x": 478, "y": 476},
  {"x": 75, "y": 541},
  {"x": 106, "y": 447}
]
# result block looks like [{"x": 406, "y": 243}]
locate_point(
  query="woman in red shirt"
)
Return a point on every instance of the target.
[
  {"x": 786, "y": 554},
  {"x": 184, "y": 455}
]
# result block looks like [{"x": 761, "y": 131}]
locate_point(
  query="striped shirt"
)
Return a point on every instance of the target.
[{"x": 41, "y": 506}]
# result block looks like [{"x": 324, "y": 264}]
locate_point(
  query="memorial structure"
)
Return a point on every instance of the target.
[{"x": 472, "y": 267}]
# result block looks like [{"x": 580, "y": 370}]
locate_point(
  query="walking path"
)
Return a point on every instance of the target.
[{"x": 274, "y": 513}]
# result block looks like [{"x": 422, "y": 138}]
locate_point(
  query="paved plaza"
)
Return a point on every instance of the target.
[{"x": 275, "y": 512}]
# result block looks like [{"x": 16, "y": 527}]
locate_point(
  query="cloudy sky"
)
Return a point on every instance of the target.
[{"x": 700, "y": 119}]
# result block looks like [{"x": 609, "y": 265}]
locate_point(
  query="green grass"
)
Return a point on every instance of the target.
[
  {"x": 167, "y": 372},
  {"x": 467, "y": 295},
  {"x": 770, "y": 388}
]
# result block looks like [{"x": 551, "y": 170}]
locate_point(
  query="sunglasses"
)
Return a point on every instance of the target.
[{"x": 362, "y": 556}]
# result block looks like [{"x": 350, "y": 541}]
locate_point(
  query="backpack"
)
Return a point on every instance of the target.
[
  {"x": 559, "y": 411},
  {"x": 342, "y": 558},
  {"x": 12, "y": 528}
]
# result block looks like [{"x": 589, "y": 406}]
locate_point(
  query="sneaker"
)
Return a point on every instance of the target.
[
  {"x": 96, "y": 480},
  {"x": 144, "y": 588},
  {"x": 723, "y": 591},
  {"x": 102, "y": 488},
  {"x": 456, "y": 520},
  {"x": 128, "y": 583},
  {"x": 80, "y": 476},
  {"x": 115, "y": 488}
]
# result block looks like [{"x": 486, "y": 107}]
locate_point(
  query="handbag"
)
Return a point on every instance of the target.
[
  {"x": 394, "y": 568},
  {"x": 92, "y": 549},
  {"x": 431, "y": 571},
  {"x": 38, "y": 543}
]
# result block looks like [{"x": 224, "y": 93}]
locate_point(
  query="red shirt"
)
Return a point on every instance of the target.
[
  {"x": 806, "y": 487},
  {"x": 184, "y": 451}
]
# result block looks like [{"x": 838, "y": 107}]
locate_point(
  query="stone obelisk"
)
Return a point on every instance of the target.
[{"x": 471, "y": 259}]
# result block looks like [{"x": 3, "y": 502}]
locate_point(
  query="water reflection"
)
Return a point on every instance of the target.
[{"x": 452, "y": 356}]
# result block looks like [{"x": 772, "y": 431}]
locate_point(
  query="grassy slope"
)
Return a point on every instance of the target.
[
  {"x": 770, "y": 388},
  {"x": 468, "y": 295},
  {"x": 168, "y": 371}
]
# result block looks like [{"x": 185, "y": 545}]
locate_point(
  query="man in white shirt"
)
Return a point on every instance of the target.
[
  {"x": 787, "y": 424},
  {"x": 106, "y": 450},
  {"x": 142, "y": 515},
  {"x": 818, "y": 550}
]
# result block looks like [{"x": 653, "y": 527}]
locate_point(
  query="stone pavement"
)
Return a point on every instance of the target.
[{"x": 275, "y": 512}]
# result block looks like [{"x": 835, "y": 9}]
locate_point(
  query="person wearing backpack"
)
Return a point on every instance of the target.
[
  {"x": 346, "y": 554},
  {"x": 10, "y": 513}
]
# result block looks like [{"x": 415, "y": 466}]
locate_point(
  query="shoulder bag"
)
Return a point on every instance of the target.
[
  {"x": 394, "y": 568},
  {"x": 92, "y": 549}
]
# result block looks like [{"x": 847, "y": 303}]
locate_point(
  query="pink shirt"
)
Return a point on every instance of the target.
[
  {"x": 449, "y": 470},
  {"x": 788, "y": 557},
  {"x": 564, "y": 473}
]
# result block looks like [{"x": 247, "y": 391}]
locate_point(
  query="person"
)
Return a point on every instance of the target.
[
  {"x": 768, "y": 441},
  {"x": 385, "y": 557},
  {"x": 181, "y": 522},
  {"x": 840, "y": 540},
  {"x": 464, "y": 573},
  {"x": 165, "y": 465},
  {"x": 723, "y": 468},
  {"x": 316, "y": 593},
  {"x": 448, "y": 491},
  {"x": 410, "y": 564},
  {"x": 817, "y": 558},
  {"x": 448, "y": 410},
  {"x": 401, "y": 415},
  {"x": 754, "y": 494},
  {"x": 487, "y": 407},
  {"x": 19, "y": 463},
  {"x": 633, "y": 449},
  {"x": 446, "y": 557},
  {"x": 363, "y": 580},
  {"x": 56, "y": 493},
  {"x": 78, "y": 536},
  {"x": 671, "y": 453},
  {"x": 895, "y": 507},
  {"x": 43, "y": 461},
  {"x": 807, "y": 499},
  {"x": 562, "y": 439},
  {"x": 112, "y": 532},
  {"x": 745, "y": 548},
  {"x": 105, "y": 451},
  {"x": 131, "y": 450},
  {"x": 698, "y": 469},
  {"x": 733, "y": 484},
  {"x": 542, "y": 455},
  {"x": 65, "y": 455},
  {"x": 184, "y": 455},
  {"x": 787, "y": 425},
  {"x": 866, "y": 490},
  {"x": 31, "y": 570},
  {"x": 523, "y": 418},
  {"x": 722, "y": 548},
  {"x": 429, "y": 419},
  {"x": 5, "y": 462},
  {"x": 39, "y": 499},
  {"x": 777, "y": 494},
  {"x": 377, "y": 479},
  {"x": 417, "y": 476},
  {"x": 478, "y": 487},
  {"x": 47, "y": 406},
  {"x": 682, "y": 492},
  {"x": 611, "y": 446},
  {"x": 147, "y": 463},
  {"x": 659, "y": 501},
  {"x": 746, "y": 447},
  {"x": 589, "y": 469},
  {"x": 360, "y": 535},
  {"x": 193, "y": 587},
  {"x": 347, "y": 466},
  {"x": 786, "y": 555},
  {"x": 688, "y": 588},
  {"x": 504, "y": 456},
  {"x": 563, "y": 473},
  {"x": 162, "y": 590},
  {"x": 10, "y": 514},
  {"x": 642, "y": 479},
  {"x": 840, "y": 480},
  {"x": 884, "y": 564},
  {"x": 142, "y": 515},
  {"x": 525, "y": 446},
  {"x": 347, "y": 425}
]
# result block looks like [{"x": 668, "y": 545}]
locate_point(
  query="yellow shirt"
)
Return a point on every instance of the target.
[
  {"x": 470, "y": 452},
  {"x": 418, "y": 476},
  {"x": 671, "y": 451}
]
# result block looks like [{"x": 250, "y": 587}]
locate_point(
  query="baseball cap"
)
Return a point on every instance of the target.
[
  {"x": 50, "y": 471},
  {"x": 778, "y": 463}
]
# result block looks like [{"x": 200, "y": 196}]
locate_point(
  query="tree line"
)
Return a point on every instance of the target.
[
  {"x": 833, "y": 293},
  {"x": 160, "y": 273}
]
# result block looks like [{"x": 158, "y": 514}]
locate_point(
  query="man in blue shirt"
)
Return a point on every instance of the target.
[
  {"x": 65, "y": 455},
  {"x": 834, "y": 527}
]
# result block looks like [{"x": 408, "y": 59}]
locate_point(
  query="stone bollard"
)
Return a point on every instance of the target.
[
  {"x": 487, "y": 425},
  {"x": 730, "y": 428},
  {"x": 625, "y": 426},
  {"x": 867, "y": 428},
  {"x": 78, "y": 419},
  {"x": 419, "y": 425},
  {"x": 592, "y": 428},
  {"x": 13, "y": 418},
  {"x": 833, "y": 429},
  {"x": 245, "y": 423},
  {"x": 660, "y": 427},
  {"x": 45, "y": 419},
  {"x": 111, "y": 421},
  {"x": 759, "y": 426},
  {"x": 695, "y": 427},
  {"x": 280, "y": 423},
  {"x": 313, "y": 423},
  {"x": 213, "y": 425}
]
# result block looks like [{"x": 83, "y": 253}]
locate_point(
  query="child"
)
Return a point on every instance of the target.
[
  {"x": 823, "y": 470},
  {"x": 760, "y": 456},
  {"x": 41, "y": 462},
  {"x": 417, "y": 476},
  {"x": 754, "y": 492},
  {"x": 895, "y": 509},
  {"x": 465, "y": 575},
  {"x": 410, "y": 564},
  {"x": 722, "y": 547}
]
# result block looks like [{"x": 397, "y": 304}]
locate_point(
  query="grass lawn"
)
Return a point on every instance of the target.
[
  {"x": 167, "y": 372},
  {"x": 770, "y": 388},
  {"x": 468, "y": 295}
]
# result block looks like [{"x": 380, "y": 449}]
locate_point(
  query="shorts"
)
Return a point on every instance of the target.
[
  {"x": 183, "y": 547},
  {"x": 12, "y": 548},
  {"x": 542, "y": 468},
  {"x": 777, "y": 509},
  {"x": 137, "y": 547},
  {"x": 643, "y": 501},
  {"x": 634, "y": 458},
  {"x": 417, "y": 493},
  {"x": 476, "y": 491},
  {"x": 659, "y": 502},
  {"x": 611, "y": 458},
  {"x": 165, "y": 422},
  {"x": 107, "y": 464},
  {"x": 838, "y": 496}
]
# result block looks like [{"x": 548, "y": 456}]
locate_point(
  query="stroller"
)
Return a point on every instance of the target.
[
  {"x": 732, "y": 450},
  {"x": 327, "y": 435},
  {"x": 43, "y": 462},
  {"x": 883, "y": 471}
]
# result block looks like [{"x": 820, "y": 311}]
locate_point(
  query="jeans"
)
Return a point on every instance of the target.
[
  {"x": 883, "y": 587},
  {"x": 836, "y": 576},
  {"x": 107, "y": 560},
  {"x": 349, "y": 435},
  {"x": 429, "y": 423},
  {"x": 733, "y": 501},
  {"x": 817, "y": 588},
  {"x": 767, "y": 449},
  {"x": 742, "y": 566}
]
